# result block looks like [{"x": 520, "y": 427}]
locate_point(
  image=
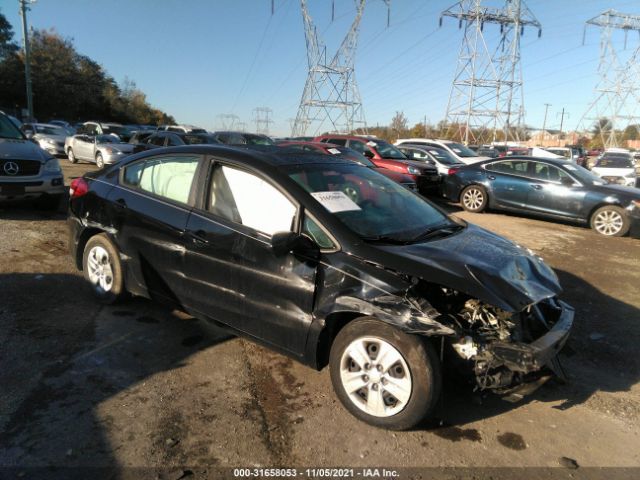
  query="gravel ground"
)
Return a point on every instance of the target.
[{"x": 137, "y": 385}]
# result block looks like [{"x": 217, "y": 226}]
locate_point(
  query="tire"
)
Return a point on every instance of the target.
[
  {"x": 49, "y": 202},
  {"x": 412, "y": 373},
  {"x": 71, "y": 156},
  {"x": 99, "y": 161},
  {"x": 474, "y": 198},
  {"x": 102, "y": 268},
  {"x": 610, "y": 220}
]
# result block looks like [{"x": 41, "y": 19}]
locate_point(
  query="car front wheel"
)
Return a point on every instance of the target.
[
  {"x": 474, "y": 199},
  {"x": 611, "y": 221},
  {"x": 102, "y": 268},
  {"x": 383, "y": 376},
  {"x": 99, "y": 161}
]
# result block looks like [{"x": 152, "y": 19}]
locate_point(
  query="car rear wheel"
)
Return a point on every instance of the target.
[
  {"x": 71, "y": 156},
  {"x": 102, "y": 269},
  {"x": 610, "y": 220},
  {"x": 99, "y": 161},
  {"x": 474, "y": 198},
  {"x": 382, "y": 376}
]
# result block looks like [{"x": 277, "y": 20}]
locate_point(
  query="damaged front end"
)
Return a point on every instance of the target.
[{"x": 505, "y": 348}]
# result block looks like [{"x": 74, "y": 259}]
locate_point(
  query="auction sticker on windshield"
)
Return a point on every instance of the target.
[
  {"x": 334, "y": 151},
  {"x": 335, "y": 201}
]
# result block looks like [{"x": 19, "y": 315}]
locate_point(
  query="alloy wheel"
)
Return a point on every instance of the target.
[
  {"x": 608, "y": 222},
  {"x": 473, "y": 198},
  {"x": 99, "y": 268},
  {"x": 375, "y": 376},
  {"x": 99, "y": 161}
]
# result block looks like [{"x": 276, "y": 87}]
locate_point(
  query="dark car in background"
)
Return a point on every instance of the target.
[
  {"x": 438, "y": 157},
  {"x": 102, "y": 128},
  {"x": 349, "y": 154},
  {"x": 549, "y": 188},
  {"x": 268, "y": 244},
  {"x": 173, "y": 139},
  {"x": 385, "y": 155},
  {"x": 242, "y": 138}
]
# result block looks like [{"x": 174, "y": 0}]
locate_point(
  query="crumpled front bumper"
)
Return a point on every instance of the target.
[{"x": 531, "y": 357}]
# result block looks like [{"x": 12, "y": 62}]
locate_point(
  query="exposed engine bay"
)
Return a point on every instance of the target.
[{"x": 503, "y": 348}]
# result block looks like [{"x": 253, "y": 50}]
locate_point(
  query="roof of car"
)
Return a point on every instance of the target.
[{"x": 267, "y": 154}]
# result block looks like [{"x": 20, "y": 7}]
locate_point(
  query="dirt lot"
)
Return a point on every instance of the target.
[{"x": 135, "y": 385}]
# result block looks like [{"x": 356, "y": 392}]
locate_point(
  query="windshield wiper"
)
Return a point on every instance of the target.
[
  {"x": 446, "y": 229},
  {"x": 384, "y": 239}
]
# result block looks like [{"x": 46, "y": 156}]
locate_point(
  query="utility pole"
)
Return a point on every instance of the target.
[
  {"x": 544, "y": 122},
  {"x": 562, "y": 119},
  {"x": 24, "y": 7},
  {"x": 487, "y": 90}
]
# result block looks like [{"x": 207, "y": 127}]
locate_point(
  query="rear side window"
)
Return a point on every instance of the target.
[
  {"x": 511, "y": 167},
  {"x": 167, "y": 177},
  {"x": 247, "y": 199},
  {"x": 157, "y": 140}
]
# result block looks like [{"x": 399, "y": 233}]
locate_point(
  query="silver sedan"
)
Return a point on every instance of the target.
[{"x": 101, "y": 149}]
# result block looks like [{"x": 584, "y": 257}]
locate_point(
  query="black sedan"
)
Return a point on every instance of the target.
[
  {"x": 172, "y": 139},
  {"x": 550, "y": 188},
  {"x": 382, "y": 289}
]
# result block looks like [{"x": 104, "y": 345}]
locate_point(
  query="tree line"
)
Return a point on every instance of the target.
[{"x": 66, "y": 84}]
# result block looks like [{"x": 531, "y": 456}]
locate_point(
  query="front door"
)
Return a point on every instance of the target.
[
  {"x": 233, "y": 274},
  {"x": 553, "y": 191}
]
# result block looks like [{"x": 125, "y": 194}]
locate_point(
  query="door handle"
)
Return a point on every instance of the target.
[
  {"x": 536, "y": 186},
  {"x": 121, "y": 203},
  {"x": 199, "y": 236},
  {"x": 491, "y": 177}
]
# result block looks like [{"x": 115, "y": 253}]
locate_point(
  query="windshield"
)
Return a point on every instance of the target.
[
  {"x": 386, "y": 150},
  {"x": 443, "y": 157},
  {"x": 199, "y": 139},
  {"x": 107, "y": 139},
  {"x": 352, "y": 155},
  {"x": 257, "y": 140},
  {"x": 584, "y": 175},
  {"x": 117, "y": 129},
  {"x": 368, "y": 203},
  {"x": 50, "y": 130},
  {"x": 461, "y": 150},
  {"x": 614, "y": 162},
  {"x": 8, "y": 129}
]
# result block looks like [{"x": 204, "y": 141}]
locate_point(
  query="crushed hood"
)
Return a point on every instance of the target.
[{"x": 479, "y": 263}]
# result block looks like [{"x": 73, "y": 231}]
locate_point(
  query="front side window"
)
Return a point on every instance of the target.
[
  {"x": 311, "y": 228},
  {"x": 337, "y": 141},
  {"x": 167, "y": 177},
  {"x": 544, "y": 171},
  {"x": 247, "y": 199}
]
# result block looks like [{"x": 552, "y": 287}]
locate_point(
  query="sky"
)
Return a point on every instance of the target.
[{"x": 199, "y": 59}]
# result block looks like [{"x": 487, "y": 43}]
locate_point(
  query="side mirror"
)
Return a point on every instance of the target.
[
  {"x": 368, "y": 154},
  {"x": 300, "y": 245},
  {"x": 567, "y": 182}
]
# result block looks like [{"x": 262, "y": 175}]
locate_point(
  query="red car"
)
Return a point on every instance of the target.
[
  {"x": 385, "y": 155},
  {"x": 349, "y": 154}
]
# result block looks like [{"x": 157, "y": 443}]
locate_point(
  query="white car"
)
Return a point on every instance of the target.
[
  {"x": 616, "y": 168},
  {"x": 459, "y": 151}
]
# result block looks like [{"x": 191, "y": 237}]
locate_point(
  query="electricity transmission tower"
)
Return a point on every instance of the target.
[
  {"x": 618, "y": 90},
  {"x": 228, "y": 121},
  {"x": 486, "y": 101},
  {"x": 262, "y": 119},
  {"x": 331, "y": 97}
]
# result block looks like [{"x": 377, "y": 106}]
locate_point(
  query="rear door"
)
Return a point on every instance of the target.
[
  {"x": 232, "y": 273},
  {"x": 509, "y": 183},
  {"x": 151, "y": 207}
]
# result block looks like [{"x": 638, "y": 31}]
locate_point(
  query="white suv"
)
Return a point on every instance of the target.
[{"x": 459, "y": 151}]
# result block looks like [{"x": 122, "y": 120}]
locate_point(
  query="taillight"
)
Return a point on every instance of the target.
[
  {"x": 451, "y": 171},
  {"x": 78, "y": 188}
]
